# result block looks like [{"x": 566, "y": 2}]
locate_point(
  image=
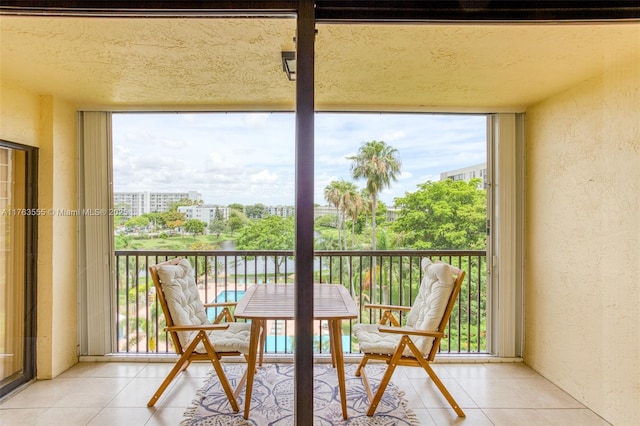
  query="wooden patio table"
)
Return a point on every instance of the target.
[{"x": 263, "y": 302}]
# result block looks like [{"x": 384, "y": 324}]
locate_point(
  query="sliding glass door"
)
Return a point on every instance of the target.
[{"x": 18, "y": 216}]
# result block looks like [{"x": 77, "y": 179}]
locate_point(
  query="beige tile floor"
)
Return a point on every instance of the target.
[{"x": 115, "y": 394}]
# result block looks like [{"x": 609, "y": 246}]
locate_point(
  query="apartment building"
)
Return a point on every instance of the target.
[
  {"x": 205, "y": 212},
  {"x": 139, "y": 203},
  {"x": 468, "y": 173}
]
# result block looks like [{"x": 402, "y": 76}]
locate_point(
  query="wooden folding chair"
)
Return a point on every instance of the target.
[
  {"x": 417, "y": 342},
  {"x": 194, "y": 337}
]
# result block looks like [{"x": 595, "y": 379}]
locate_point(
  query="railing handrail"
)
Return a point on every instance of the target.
[
  {"x": 218, "y": 272},
  {"x": 411, "y": 252}
]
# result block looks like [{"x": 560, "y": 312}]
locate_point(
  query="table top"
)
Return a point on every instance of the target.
[{"x": 276, "y": 301}]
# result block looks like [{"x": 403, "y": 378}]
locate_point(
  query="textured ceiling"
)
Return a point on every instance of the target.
[{"x": 234, "y": 63}]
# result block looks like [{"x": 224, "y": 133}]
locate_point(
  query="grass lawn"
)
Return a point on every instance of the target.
[{"x": 181, "y": 242}]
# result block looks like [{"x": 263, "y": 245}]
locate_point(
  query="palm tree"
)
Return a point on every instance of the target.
[
  {"x": 378, "y": 163},
  {"x": 333, "y": 196},
  {"x": 336, "y": 194},
  {"x": 354, "y": 204}
]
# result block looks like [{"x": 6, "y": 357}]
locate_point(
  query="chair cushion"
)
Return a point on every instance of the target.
[
  {"x": 186, "y": 307},
  {"x": 425, "y": 314},
  {"x": 233, "y": 339},
  {"x": 372, "y": 341}
]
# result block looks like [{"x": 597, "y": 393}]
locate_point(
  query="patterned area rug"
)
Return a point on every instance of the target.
[{"x": 273, "y": 399}]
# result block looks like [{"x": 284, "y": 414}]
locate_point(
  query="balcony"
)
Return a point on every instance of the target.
[{"x": 224, "y": 276}]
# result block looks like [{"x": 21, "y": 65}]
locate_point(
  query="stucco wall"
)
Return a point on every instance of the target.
[
  {"x": 19, "y": 115},
  {"x": 64, "y": 234},
  {"x": 583, "y": 243},
  {"x": 50, "y": 124}
]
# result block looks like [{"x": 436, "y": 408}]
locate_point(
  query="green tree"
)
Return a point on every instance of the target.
[
  {"x": 378, "y": 163},
  {"x": 172, "y": 219},
  {"x": 122, "y": 242},
  {"x": 217, "y": 227},
  {"x": 270, "y": 233},
  {"x": 119, "y": 220},
  {"x": 354, "y": 204},
  {"x": 237, "y": 220},
  {"x": 137, "y": 222},
  {"x": 256, "y": 211},
  {"x": 335, "y": 194},
  {"x": 218, "y": 214},
  {"x": 236, "y": 206},
  {"x": 444, "y": 215},
  {"x": 326, "y": 221},
  {"x": 154, "y": 219},
  {"x": 363, "y": 216},
  {"x": 194, "y": 226},
  {"x": 173, "y": 207}
]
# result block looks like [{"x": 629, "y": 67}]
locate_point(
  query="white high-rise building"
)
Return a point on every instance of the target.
[
  {"x": 205, "y": 212},
  {"x": 468, "y": 173},
  {"x": 139, "y": 203}
]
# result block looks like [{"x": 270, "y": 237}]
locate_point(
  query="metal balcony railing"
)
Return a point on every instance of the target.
[{"x": 391, "y": 277}]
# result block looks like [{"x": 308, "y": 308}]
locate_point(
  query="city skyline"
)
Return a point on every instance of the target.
[{"x": 249, "y": 158}]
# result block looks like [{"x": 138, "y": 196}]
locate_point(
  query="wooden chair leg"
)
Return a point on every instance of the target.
[
  {"x": 242, "y": 380},
  {"x": 222, "y": 377},
  {"x": 180, "y": 366},
  {"x": 362, "y": 364},
  {"x": 425, "y": 365},
  {"x": 163, "y": 386},
  {"x": 185, "y": 365},
  {"x": 386, "y": 378},
  {"x": 443, "y": 389}
]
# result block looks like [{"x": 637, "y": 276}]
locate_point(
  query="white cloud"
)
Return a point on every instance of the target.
[
  {"x": 405, "y": 175},
  {"x": 392, "y": 136},
  {"x": 220, "y": 161},
  {"x": 174, "y": 144},
  {"x": 257, "y": 119},
  {"x": 263, "y": 176},
  {"x": 250, "y": 158},
  {"x": 333, "y": 160}
]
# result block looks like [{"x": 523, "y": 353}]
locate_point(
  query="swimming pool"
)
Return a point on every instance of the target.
[
  {"x": 273, "y": 343},
  {"x": 229, "y": 296},
  {"x": 278, "y": 343},
  {"x": 223, "y": 296}
]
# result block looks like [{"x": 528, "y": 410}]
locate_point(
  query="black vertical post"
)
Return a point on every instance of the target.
[{"x": 304, "y": 213}]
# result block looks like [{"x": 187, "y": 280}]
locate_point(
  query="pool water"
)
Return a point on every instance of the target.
[
  {"x": 223, "y": 296},
  {"x": 273, "y": 343},
  {"x": 229, "y": 296}
]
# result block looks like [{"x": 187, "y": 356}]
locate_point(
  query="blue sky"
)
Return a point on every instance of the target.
[{"x": 249, "y": 158}]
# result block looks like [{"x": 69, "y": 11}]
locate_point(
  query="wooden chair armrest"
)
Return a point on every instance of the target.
[
  {"x": 387, "y": 307},
  {"x": 400, "y": 330},
  {"x": 225, "y": 314},
  {"x": 221, "y": 304},
  {"x": 206, "y": 327}
]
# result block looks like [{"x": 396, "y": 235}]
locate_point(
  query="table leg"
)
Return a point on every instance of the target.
[
  {"x": 256, "y": 326},
  {"x": 338, "y": 356},
  {"x": 331, "y": 345}
]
